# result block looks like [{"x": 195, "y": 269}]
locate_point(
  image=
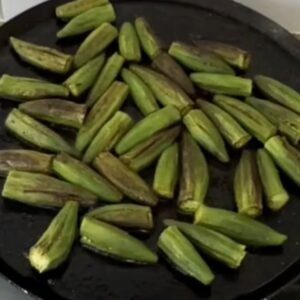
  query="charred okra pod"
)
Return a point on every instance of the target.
[
  {"x": 109, "y": 135},
  {"x": 79, "y": 174},
  {"x": 255, "y": 122},
  {"x": 194, "y": 179},
  {"x": 42, "y": 57},
  {"x": 126, "y": 180},
  {"x": 206, "y": 134},
  {"x": 145, "y": 153},
  {"x": 44, "y": 191},
  {"x": 199, "y": 60},
  {"x": 56, "y": 111},
  {"x": 212, "y": 243},
  {"x": 247, "y": 185},
  {"x": 128, "y": 216},
  {"x": 230, "y": 129},
  {"x": 95, "y": 43},
  {"x": 55, "y": 245},
  {"x": 35, "y": 133},
  {"x": 239, "y": 227},
  {"x": 183, "y": 256},
  {"x": 108, "y": 74},
  {"x": 276, "y": 195},
  {"x": 166, "y": 172},
  {"x": 24, "y": 160},
  {"x": 115, "y": 243}
]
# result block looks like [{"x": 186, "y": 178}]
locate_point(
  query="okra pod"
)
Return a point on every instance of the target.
[
  {"x": 276, "y": 195},
  {"x": 247, "y": 185},
  {"x": 115, "y": 243},
  {"x": 149, "y": 41},
  {"x": 88, "y": 20},
  {"x": 230, "y": 129},
  {"x": 145, "y": 153},
  {"x": 278, "y": 92},
  {"x": 82, "y": 79},
  {"x": 194, "y": 179},
  {"x": 251, "y": 119},
  {"x": 79, "y": 174},
  {"x": 212, "y": 243},
  {"x": 239, "y": 227},
  {"x": 56, "y": 111},
  {"x": 101, "y": 112},
  {"x": 97, "y": 41},
  {"x": 109, "y": 135},
  {"x": 44, "y": 191},
  {"x": 166, "y": 172},
  {"x": 125, "y": 179},
  {"x": 147, "y": 127},
  {"x": 206, "y": 134},
  {"x": 24, "y": 160},
  {"x": 199, "y": 60},
  {"x": 223, "y": 84},
  {"x": 55, "y": 245},
  {"x": 35, "y": 133},
  {"x": 164, "y": 89},
  {"x": 42, "y": 57},
  {"x": 164, "y": 63},
  {"x": 108, "y": 74},
  {"x": 128, "y": 216},
  {"x": 287, "y": 121},
  {"x": 24, "y": 89},
  {"x": 183, "y": 256}
]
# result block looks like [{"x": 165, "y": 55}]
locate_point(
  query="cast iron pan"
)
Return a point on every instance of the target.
[{"x": 88, "y": 276}]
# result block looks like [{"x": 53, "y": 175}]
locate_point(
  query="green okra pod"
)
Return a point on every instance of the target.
[
  {"x": 165, "y": 90},
  {"x": 24, "y": 160},
  {"x": 55, "y": 245},
  {"x": 166, "y": 172},
  {"x": 230, "y": 129},
  {"x": 164, "y": 63},
  {"x": 108, "y": 74},
  {"x": 42, "y": 57},
  {"x": 44, "y": 191},
  {"x": 183, "y": 256},
  {"x": 223, "y": 84},
  {"x": 285, "y": 156},
  {"x": 115, "y": 243},
  {"x": 199, "y": 60},
  {"x": 125, "y": 179},
  {"x": 287, "y": 121},
  {"x": 109, "y": 135},
  {"x": 101, "y": 112},
  {"x": 56, "y": 111},
  {"x": 35, "y": 133},
  {"x": 24, "y": 89},
  {"x": 97, "y": 41},
  {"x": 147, "y": 127},
  {"x": 239, "y": 227},
  {"x": 145, "y": 153},
  {"x": 149, "y": 41},
  {"x": 278, "y": 92},
  {"x": 251, "y": 119},
  {"x": 194, "y": 180},
  {"x": 212, "y": 243},
  {"x": 88, "y": 20},
  {"x": 79, "y": 174},
  {"x": 206, "y": 134},
  {"x": 247, "y": 185},
  {"x": 276, "y": 195},
  {"x": 128, "y": 216},
  {"x": 82, "y": 79}
]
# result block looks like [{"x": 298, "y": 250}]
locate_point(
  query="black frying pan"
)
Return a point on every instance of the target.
[{"x": 88, "y": 276}]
